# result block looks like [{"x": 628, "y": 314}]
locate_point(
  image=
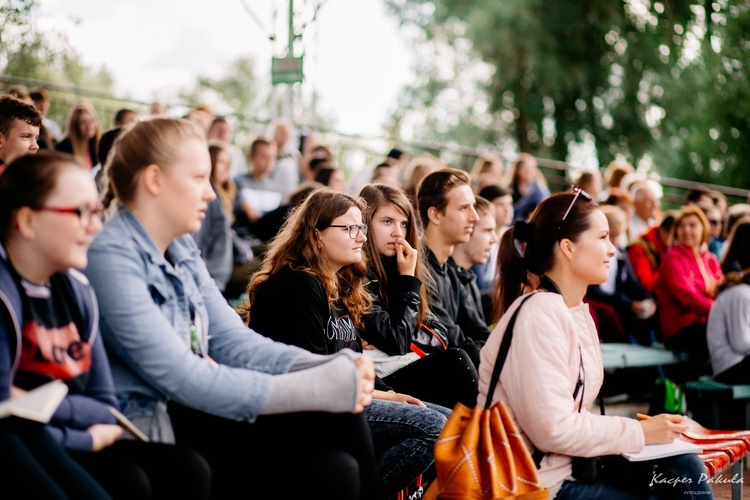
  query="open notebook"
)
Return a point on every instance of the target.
[
  {"x": 38, "y": 404},
  {"x": 654, "y": 451}
]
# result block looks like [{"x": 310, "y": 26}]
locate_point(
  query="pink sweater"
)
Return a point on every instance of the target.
[
  {"x": 681, "y": 289},
  {"x": 538, "y": 380}
]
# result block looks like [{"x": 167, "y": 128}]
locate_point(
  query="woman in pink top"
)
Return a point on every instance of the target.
[
  {"x": 554, "y": 371},
  {"x": 689, "y": 277}
]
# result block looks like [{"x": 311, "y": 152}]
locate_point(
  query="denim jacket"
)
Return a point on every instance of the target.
[{"x": 147, "y": 300}]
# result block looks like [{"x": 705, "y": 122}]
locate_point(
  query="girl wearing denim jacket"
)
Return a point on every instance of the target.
[{"x": 186, "y": 368}]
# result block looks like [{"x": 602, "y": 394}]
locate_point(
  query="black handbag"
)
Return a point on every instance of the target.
[{"x": 587, "y": 469}]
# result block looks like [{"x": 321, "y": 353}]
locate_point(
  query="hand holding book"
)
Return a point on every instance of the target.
[
  {"x": 663, "y": 428},
  {"x": 38, "y": 404},
  {"x": 671, "y": 426}
]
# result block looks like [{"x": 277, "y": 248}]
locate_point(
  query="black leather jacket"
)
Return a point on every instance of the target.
[
  {"x": 468, "y": 279},
  {"x": 393, "y": 329}
]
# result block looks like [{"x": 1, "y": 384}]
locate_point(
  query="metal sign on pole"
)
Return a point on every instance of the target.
[{"x": 286, "y": 70}]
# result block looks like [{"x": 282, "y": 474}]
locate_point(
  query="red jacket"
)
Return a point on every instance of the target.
[
  {"x": 681, "y": 290},
  {"x": 645, "y": 255}
]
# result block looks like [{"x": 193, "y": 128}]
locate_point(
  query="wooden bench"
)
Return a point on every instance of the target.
[
  {"x": 721, "y": 406},
  {"x": 620, "y": 355},
  {"x": 717, "y": 405},
  {"x": 736, "y": 468}
]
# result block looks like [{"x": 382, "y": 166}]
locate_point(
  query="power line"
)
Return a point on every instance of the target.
[{"x": 271, "y": 36}]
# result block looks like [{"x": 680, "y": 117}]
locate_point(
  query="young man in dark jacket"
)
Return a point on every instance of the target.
[
  {"x": 446, "y": 207},
  {"x": 477, "y": 251}
]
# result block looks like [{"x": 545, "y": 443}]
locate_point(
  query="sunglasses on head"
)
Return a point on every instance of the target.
[{"x": 577, "y": 192}]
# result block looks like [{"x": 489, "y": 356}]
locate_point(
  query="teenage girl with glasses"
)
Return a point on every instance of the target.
[
  {"x": 310, "y": 293},
  {"x": 49, "y": 330}
]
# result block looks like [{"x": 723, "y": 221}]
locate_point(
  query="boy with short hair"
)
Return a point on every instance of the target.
[
  {"x": 446, "y": 207},
  {"x": 257, "y": 192},
  {"x": 19, "y": 129},
  {"x": 50, "y": 132},
  {"x": 476, "y": 251}
]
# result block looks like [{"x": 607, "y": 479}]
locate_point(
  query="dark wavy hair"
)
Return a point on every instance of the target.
[
  {"x": 28, "y": 181},
  {"x": 518, "y": 272},
  {"x": 150, "y": 141}
]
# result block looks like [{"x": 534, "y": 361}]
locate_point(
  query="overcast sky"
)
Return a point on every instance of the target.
[{"x": 354, "y": 54}]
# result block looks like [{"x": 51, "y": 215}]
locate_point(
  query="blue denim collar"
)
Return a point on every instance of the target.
[{"x": 178, "y": 252}]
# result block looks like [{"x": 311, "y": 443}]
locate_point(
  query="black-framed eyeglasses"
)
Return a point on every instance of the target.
[
  {"x": 85, "y": 213},
  {"x": 576, "y": 192},
  {"x": 354, "y": 229}
]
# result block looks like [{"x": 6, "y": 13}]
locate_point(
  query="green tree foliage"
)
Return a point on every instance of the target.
[
  {"x": 31, "y": 54},
  {"x": 664, "y": 80},
  {"x": 706, "y": 137},
  {"x": 236, "y": 92},
  {"x": 237, "y": 89}
]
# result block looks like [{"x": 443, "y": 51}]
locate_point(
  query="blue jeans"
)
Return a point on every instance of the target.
[
  {"x": 404, "y": 436},
  {"x": 681, "y": 476}
]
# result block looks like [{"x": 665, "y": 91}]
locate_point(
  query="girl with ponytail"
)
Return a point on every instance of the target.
[
  {"x": 187, "y": 369},
  {"x": 554, "y": 371}
]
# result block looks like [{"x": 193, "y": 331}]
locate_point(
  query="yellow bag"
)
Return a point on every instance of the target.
[{"x": 480, "y": 453}]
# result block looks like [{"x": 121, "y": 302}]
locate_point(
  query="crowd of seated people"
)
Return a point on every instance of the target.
[{"x": 235, "y": 304}]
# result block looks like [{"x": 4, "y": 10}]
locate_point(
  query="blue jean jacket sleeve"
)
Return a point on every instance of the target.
[
  {"x": 156, "y": 358},
  {"x": 232, "y": 342}
]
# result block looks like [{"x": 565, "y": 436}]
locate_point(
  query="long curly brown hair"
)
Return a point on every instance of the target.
[{"x": 295, "y": 247}]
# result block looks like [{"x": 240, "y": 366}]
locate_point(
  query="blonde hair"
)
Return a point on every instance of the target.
[
  {"x": 72, "y": 132},
  {"x": 155, "y": 140},
  {"x": 485, "y": 163},
  {"x": 414, "y": 171},
  {"x": 525, "y": 159},
  {"x": 616, "y": 217},
  {"x": 615, "y": 171},
  {"x": 687, "y": 211},
  {"x": 227, "y": 190},
  {"x": 483, "y": 206}
]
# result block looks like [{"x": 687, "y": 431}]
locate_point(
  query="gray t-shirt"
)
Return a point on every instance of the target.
[{"x": 728, "y": 328}]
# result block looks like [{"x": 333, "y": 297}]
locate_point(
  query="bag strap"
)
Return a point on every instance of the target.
[
  {"x": 537, "y": 455},
  {"x": 502, "y": 353}
]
